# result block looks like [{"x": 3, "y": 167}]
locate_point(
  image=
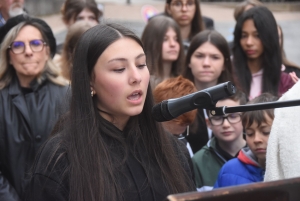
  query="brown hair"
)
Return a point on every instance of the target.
[
  {"x": 71, "y": 8},
  {"x": 217, "y": 40},
  {"x": 175, "y": 88},
  {"x": 153, "y": 38},
  {"x": 74, "y": 33},
  {"x": 240, "y": 8},
  {"x": 258, "y": 116}
]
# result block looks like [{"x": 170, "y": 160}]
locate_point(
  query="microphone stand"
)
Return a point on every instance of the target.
[{"x": 218, "y": 111}]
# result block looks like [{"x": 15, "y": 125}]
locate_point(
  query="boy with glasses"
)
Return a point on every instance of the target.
[{"x": 227, "y": 142}]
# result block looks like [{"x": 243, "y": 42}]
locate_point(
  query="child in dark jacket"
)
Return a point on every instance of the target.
[{"x": 249, "y": 166}]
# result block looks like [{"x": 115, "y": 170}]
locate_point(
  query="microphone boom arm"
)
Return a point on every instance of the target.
[{"x": 260, "y": 106}]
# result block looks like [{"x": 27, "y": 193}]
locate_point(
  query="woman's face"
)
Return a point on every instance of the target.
[
  {"x": 120, "y": 80},
  {"x": 28, "y": 64},
  {"x": 182, "y": 11},
  {"x": 207, "y": 64},
  {"x": 85, "y": 15},
  {"x": 250, "y": 41},
  {"x": 171, "y": 47}
]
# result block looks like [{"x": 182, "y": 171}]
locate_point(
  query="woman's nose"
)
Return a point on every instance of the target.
[{"x": 135, "y": 76}]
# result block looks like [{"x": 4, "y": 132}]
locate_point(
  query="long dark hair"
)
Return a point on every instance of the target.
[
  {"x": 217, "y": 40},
  {"x": 153, "y": 38},
  {"x": 92, "y": 165},
  {"x": 197, "y": 22},
  {"x": 266, "y": 26}
]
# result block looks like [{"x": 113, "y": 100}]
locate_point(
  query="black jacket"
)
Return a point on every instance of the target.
[
  {"x": 50, "y": 182},
  {"x": 198, "y": 136},
  {"x": 26, "y": 120}
]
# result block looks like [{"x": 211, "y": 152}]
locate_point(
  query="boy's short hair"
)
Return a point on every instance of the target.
[
  {"x": 175, "y": 88},
  {"x": 238, "y": 96},
  {"x": 258, "y": 116}
]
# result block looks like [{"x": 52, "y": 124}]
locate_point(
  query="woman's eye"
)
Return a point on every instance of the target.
[
  {"x": 120, "y": 70},
  {"x": 141, "y": 66},
  {"x": 215, "y": 57},
  {"x": 199, "y": 56}
]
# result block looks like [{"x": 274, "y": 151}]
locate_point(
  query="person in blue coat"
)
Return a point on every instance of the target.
[{"x": 250, "y": 164}]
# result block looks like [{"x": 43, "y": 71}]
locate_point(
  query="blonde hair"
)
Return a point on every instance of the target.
[{"x": 50, "y": 71}]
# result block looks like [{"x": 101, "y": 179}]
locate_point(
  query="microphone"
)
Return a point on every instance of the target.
[{"x": 207, "y": 98}]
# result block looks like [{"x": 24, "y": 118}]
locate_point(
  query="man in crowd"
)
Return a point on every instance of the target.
[{"x": 10, "y": 8}]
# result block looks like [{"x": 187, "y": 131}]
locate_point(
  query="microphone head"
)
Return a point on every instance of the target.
[
  {"x": 230, "y": 88},
  {"x": 160, "y": 112}
]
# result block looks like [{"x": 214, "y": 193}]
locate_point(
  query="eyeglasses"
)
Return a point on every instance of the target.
[
  {"x": 219, "y": 120},
  {"x": 178, "y": 5},
  {"x": 18, "y": 47}
]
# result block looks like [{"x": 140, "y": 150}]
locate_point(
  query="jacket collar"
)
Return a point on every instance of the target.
[
  {"x": 247, "y": 157},
  {"x": 15, "y": 88}
]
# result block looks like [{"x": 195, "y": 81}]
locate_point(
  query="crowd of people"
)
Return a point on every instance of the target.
[{"x": 76, "y": 121}]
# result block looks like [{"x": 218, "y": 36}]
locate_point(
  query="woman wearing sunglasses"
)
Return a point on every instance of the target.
[{"x": 31, "y": 93}]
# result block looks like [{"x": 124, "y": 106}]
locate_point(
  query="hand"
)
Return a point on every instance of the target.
[{"x": 294, "y": 77}]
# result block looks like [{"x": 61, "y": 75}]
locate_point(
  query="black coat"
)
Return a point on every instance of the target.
[
  {"x": 50, "y": 182},
  {"x": 198, "y": 136},
  {"x": 26, "y": 120}
]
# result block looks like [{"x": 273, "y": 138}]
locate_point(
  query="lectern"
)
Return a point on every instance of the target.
[{"x": 281, "y": 190}]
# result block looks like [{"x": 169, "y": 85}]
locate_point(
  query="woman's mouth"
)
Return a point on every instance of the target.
[{"x": 135, "y": 97}]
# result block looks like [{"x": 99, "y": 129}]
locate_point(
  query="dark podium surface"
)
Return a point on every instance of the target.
[{"x": 281, "y": 190}]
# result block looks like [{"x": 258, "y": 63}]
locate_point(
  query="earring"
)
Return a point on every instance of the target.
[{"x": 92, "y": 93}]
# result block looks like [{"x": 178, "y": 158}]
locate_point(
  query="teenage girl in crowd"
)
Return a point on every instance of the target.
[
  {"x": 108, "y": 147},
  {"x": 76, "y": 10},
  {"x": 187, "y": 14},
  {"x": 257, "y": 55},
  {"x": 207, "y": 64},
  {"x": 163, "y": 47}
]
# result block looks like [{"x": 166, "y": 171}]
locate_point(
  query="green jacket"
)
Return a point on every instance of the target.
[{"x": 207, "y": 163}]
